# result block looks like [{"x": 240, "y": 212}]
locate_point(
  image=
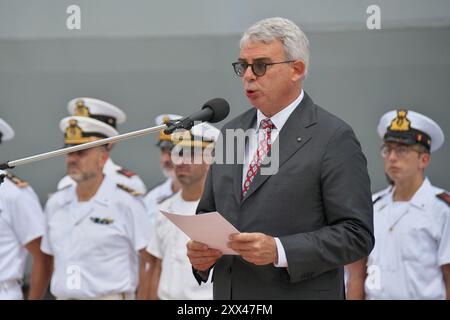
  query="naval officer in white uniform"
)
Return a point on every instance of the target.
[
  {"x": 411, "y": 257},
  {"x": 172, "y": 273},
  {"x": 97, "y": 230},
  {"x": 21, "y": 230}
]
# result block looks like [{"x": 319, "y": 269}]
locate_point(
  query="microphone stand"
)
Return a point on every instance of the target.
[{"x": 63, "y": 151}]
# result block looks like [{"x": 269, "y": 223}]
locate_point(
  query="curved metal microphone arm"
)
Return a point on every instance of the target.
[
  {"x": 183, "y": 123},
  {"x": 214, "y": 110},
  {"x": 96, "y": 143}
]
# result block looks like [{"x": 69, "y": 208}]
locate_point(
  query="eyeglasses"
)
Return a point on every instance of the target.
[
  {"x": 400, "y": 151},
  {"x": 258, "y": 67}
]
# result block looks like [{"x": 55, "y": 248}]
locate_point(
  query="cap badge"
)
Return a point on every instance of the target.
[
  {"x": 74, "y": 132},
  {"x": 81, "y": 109},
  {"x": 401, "y": 122}
]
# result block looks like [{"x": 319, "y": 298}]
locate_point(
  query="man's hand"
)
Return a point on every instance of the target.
[
  {"x": 201, "y": 256},
  {"x": 256, "y": 248}
]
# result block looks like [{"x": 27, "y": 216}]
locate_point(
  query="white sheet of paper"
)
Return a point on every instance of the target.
[{"x": 209, "y": 228}]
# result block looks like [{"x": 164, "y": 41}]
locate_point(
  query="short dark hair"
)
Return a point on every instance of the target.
[{"x": 421, "y": 148}]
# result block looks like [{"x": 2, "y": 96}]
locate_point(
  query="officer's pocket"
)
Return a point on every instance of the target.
[{"x": 415, "y": 245}]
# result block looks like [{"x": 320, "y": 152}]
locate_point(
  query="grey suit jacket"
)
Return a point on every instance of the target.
[{"x": 318, "y": 204}]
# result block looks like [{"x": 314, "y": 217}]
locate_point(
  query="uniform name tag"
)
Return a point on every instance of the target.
[{"x": 102, "y": 220}]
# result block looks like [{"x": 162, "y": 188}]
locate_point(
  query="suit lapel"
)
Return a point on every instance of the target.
[{"x": 293, "y": 136}]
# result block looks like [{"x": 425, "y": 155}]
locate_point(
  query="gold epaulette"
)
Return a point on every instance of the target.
[
  {"x": 16, "y": 180},
  {"x": 444, "y": 196},
  {"x": 129, "y": 190}
]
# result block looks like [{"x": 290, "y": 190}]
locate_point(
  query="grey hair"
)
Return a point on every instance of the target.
[{"x": 295, "y": 42}]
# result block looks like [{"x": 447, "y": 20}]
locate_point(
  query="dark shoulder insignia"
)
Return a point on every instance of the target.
[
  {"x": 162, "y": 199},
  {"x": 381, "y": 196},
  {"x": 154, "y": 187},
  {"x": 378, "y": 198},
  {"x": 444, "y": 196},
  {"x": 129, "y": 190},
  {"x": 17, "y": 181},
  {"x": 126, "y": 173},
  {"x": 58, "y": 190}
]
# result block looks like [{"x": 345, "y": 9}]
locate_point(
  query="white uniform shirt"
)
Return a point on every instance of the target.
[
  {"x": 21, "y": 221},
  {"x": 95, "y": 244},
  {"x": 155, "y": 196},
  {"x": 117, "y": 174},
  {"x": 406, "y": 261},
  {"x": 169, "y": 244}
]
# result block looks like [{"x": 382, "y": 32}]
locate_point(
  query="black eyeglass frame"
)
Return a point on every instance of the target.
[{"x": 246, "y": 65}]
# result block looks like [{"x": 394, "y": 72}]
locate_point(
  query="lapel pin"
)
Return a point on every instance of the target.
[{"x": 299, "y": 139}]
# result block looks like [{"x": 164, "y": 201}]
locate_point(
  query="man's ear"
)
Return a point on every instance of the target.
[
  {"x": 109, "y": 146},
  {"x": 104, "y": 155},
  {"x": 424, "y": 160},
  {"x": 299, "y": 69}
]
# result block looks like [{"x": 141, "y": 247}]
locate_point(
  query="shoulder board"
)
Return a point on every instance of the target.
[
  {"x": 64, "y": 187},
  {"x": 57, "y": 190},
  {"x": 126, "y": 173},
  {"x": 377, "y": 199},
  {"x": 162, "y": 199},
  {"x": 154, "y": 187},
  {"x": 129, "y": 190},
  {"x": 444, "y": 196},
  {"x": 381, "y": 196},
  {"x": 17, "y": 181}
]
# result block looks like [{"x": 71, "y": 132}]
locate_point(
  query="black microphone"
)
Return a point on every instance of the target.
[{"x": 214, "y": 110}]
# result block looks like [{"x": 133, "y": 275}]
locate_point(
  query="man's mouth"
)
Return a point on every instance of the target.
[
  {"x": 250, "y": 93},
  {"x": 72, "y": 168}
]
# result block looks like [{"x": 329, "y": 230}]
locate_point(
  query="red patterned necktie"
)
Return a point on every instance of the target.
[{"x": 264, "y": 144}]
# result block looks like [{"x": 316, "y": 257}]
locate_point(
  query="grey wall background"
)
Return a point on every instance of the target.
[{"x": 150, "y": 57}]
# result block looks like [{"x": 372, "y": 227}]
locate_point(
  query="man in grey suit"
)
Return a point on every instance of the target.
[{"x": 300, "y": 226}]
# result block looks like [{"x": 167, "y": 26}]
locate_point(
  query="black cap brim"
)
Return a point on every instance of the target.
[{"x": 401, "y": 140}]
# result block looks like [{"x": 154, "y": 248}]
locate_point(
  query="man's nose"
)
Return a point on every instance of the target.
[
  {"x": 165, "y": 157},
  {"x": 392, "y": 155},
  {"x": 73, "y": 156},
  {"x": 248, "y": 74}
]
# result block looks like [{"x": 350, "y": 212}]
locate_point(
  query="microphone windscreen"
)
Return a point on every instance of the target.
[{"x": 220, "y": 107}]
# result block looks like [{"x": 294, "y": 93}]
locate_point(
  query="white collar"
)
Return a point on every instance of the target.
[
  {"x": 110, "y": 166},
  {"x": 102, "y": 195},
  {"x": 423, "y": 197},
  {"x": 280, "y": 118}
]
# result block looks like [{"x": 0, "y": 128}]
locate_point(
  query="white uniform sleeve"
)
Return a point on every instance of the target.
[
  {"x": 154, "y": 246},
  {"x": 45, "y": 243},
  {"x": 150, "y": 204},
  {"x": 27, "y": 217},
  {"x": 137, "y": 184},
  {"x": 444, "y": 241},
  {"x": 138, "y": 224}
]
